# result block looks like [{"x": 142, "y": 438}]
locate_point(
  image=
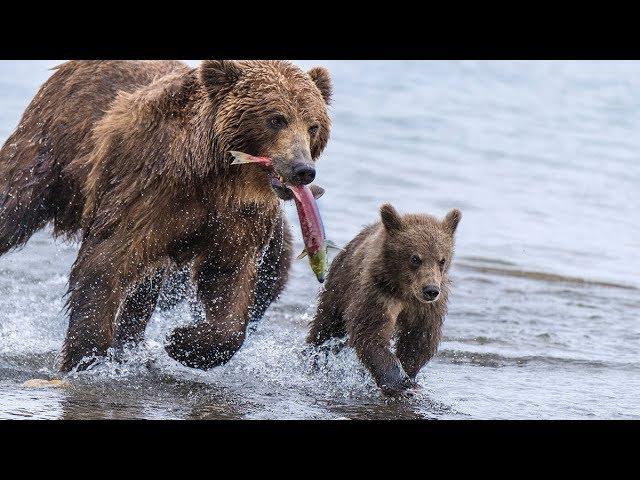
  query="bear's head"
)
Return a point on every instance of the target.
[
  {"x": 417, "y": 251},
  {"x": 270, "y": 109}
]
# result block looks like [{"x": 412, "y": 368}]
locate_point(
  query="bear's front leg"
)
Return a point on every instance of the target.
[
  {"x": 93, "y": 298},
  {"x": 226, "y": 290},
  {"x": 385, "y": 367},
  {"x": 418, "y": 339},
  {"x": 414, "y": 350},
  {"x": 370, "y": 330},
  {"x": 273, "y": 271},
  {"x": 136, "y": 310}
]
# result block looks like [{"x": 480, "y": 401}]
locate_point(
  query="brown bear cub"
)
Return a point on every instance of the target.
[{"x": 390, "y": 281}]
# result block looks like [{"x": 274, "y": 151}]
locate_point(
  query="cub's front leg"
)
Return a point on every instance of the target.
[
  {"x": 419, "y": 331},
  {"x": 226, "y": 290},
  {"x": 371, "y": 325}
]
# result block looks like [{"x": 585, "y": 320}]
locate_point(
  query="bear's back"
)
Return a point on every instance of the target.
[
  {"x": 57, "y": 127},
  {"x": 84, "y": 89}
]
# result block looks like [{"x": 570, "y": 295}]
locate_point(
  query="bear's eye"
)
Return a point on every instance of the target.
[
  {"x": 313, "y": 130},
  {"x": 277, "y": 122},
  {"x": 442, "y": 262},
  {"x": 416, "y": 260}
]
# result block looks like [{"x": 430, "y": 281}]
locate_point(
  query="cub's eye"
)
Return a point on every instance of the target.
[
  {"x": 277, "y": 122},
  {"x": 313, "y": 130},
  {"x": 442, "y": 262},
  {"x": 416, "y": 260}
]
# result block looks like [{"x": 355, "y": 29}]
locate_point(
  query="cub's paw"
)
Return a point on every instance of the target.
[
  {"x": 412, "y": 391},
  {"x": 397, "y": 383}
]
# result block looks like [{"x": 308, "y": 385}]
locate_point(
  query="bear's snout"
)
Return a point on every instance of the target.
[
  {"x": 302, "y": 174},
  {"x": 430, "y": 292}
]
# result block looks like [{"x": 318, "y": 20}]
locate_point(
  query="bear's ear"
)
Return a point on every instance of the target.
[
  {"x": 216, "y": 74},
  {"x": 322, "y": 79},
  {"x": 451, "y": 220},
  {"x": 390, "y": 218}
]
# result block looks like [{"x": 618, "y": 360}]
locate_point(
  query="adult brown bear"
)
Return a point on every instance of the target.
[{"x": 133, "y": 157}]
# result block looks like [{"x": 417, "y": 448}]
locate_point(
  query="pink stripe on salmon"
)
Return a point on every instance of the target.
[{"x": 310, "y": 220}]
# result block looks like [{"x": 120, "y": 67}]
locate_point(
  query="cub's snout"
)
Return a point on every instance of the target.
[{"x": 430, "y": 292}]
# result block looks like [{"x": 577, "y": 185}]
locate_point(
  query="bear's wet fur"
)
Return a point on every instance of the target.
[
  {"x": 391, "y": 281},
  {"x": 131, "y": 157}
]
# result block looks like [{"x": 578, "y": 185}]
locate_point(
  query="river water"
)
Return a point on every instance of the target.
[{"x": 542, "y": 158}]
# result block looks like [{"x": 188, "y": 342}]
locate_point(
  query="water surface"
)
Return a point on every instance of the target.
[{"x": 541, "y": 157}]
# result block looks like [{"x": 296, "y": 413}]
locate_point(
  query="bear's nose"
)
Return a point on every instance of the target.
[
  {"x": 430, "y": 292},
  {"x": 303, "y": 174}
]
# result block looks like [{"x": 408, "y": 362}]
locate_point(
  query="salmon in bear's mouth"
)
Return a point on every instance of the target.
[{"x": 313, "y": 233}]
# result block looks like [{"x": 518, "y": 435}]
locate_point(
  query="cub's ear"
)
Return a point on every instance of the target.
[
  {"x": 451, "y": 220},
  {"x": 216, "y": 74},
  {"x": 390, "y": 218},
  {"x": 322, "y": 79}
]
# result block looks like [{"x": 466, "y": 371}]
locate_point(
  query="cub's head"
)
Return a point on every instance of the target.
[
  {"x": 270, "y": 109},
  {"x": 417, "y": 251}
]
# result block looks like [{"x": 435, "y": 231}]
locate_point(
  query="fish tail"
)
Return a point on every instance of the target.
[{"x": 240, "y": 158}]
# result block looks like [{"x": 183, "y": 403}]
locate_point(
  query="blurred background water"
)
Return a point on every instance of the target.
[{"x": 542, "y": 158}]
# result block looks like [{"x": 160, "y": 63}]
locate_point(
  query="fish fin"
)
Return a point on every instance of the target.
[
  {"x": 240, "y": 158},
  {"x": 316, "y": 190},
  {"x": 303, "y": 254},
  {"x": 332, "y": 245}
]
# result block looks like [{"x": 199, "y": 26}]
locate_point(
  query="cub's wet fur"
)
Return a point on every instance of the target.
[{"x": 390, "y": 281}]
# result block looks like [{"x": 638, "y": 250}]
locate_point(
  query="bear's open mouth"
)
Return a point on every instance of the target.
[
  {"x": 279, "y": 186},
  {"x": 276, "y": 180}
]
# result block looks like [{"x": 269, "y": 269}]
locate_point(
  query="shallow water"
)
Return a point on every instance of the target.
[{"x": 542, "y": 157}]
